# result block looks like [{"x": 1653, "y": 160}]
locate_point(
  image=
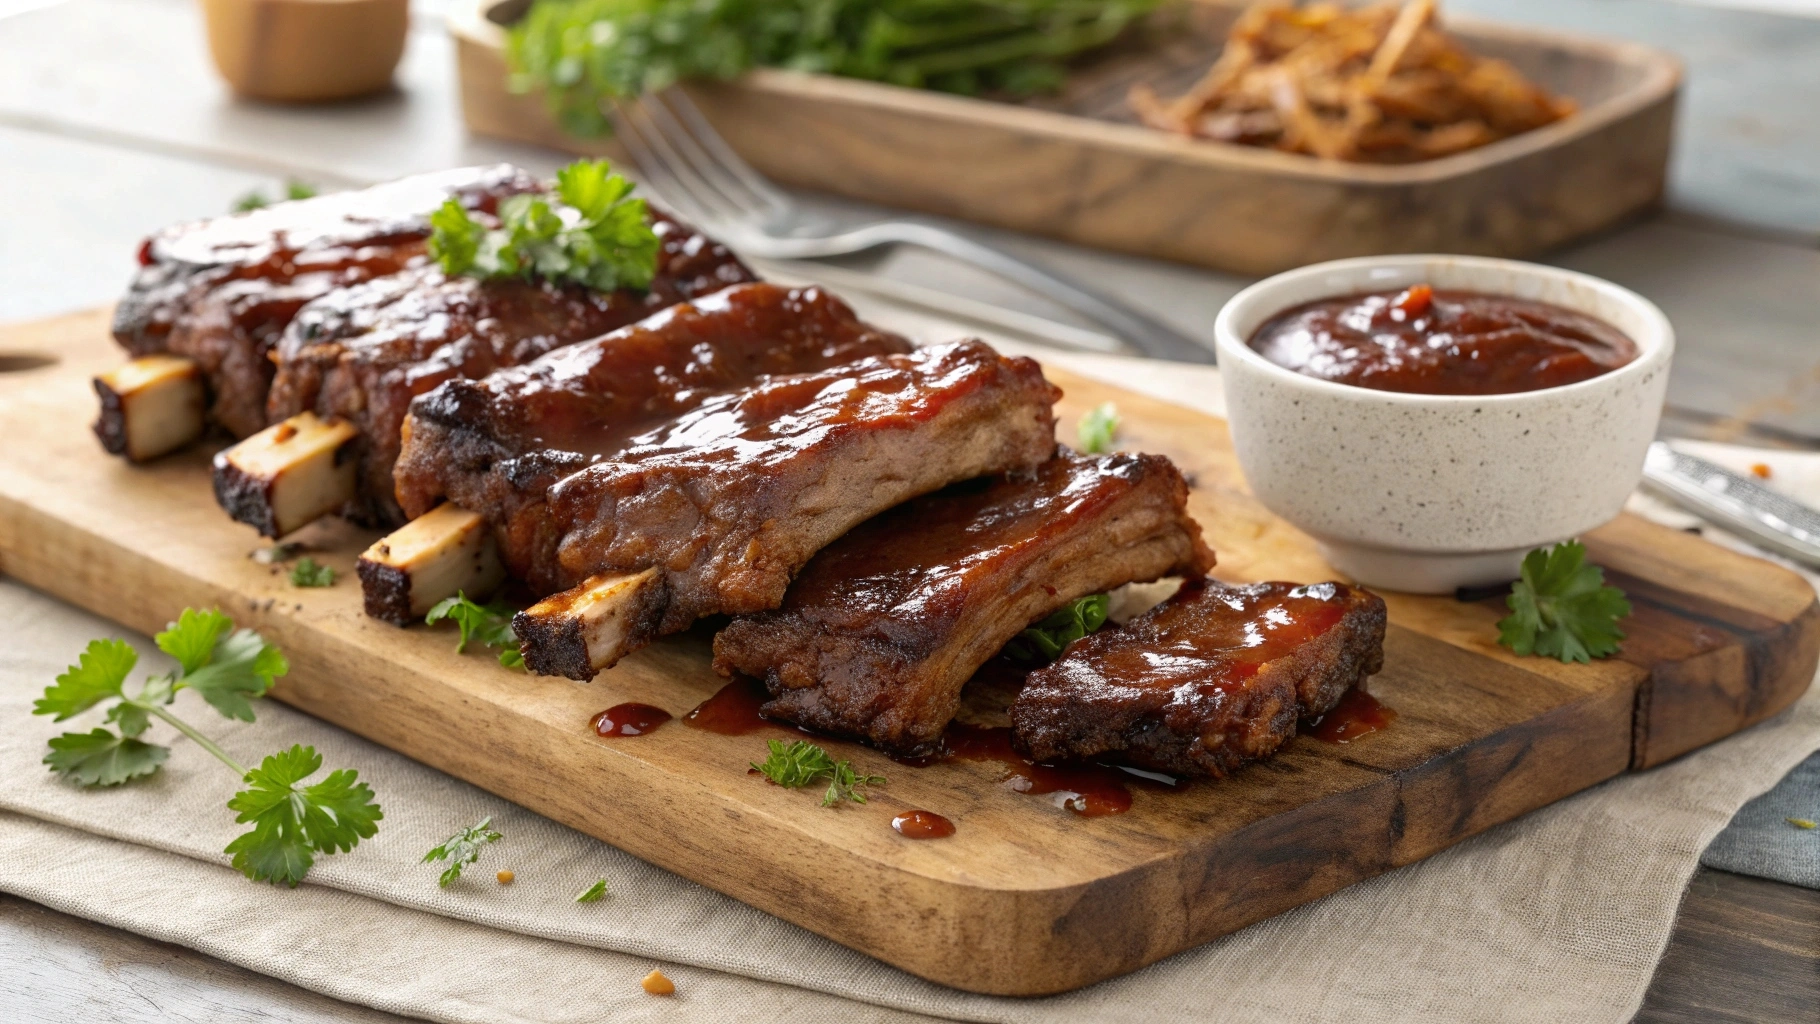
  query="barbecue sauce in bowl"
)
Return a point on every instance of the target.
[{"x": 1428, "y": 342}]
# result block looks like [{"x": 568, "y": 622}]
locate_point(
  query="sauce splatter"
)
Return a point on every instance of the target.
[
  {"x": 733, "y": 710},
  {"x": 1088, "y": 790},
  {"x": 922, "y": 825},
  {"x": 1357, "y": 714},
  {"x": 629, "y": 720}
]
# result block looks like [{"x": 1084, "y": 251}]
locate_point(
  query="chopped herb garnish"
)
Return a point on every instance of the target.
[
  {"x": 593, "y": 893},
  {"x": 1800, "y": 822},
  {"x": 463, "y": 848},
  {"x": 277, "y": 553},
  {"x": 1045, "y": 640},
  {"x": 801, "y": 763},
  {"x": 256, "y": 199},
  {"x": 229, "y": 669},
  {"x": 1097, "y": 428},
  {"x": 489, "y": 624},
  {"x": 310, "y": 573},
  {"x": 1561, "y": 607},
  {"x": 596, "y": 235}
]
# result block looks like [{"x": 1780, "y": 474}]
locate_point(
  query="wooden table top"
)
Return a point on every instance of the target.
[{"x": 112, "y": 124}]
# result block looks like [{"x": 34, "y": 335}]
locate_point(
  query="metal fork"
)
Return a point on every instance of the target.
[{"x": 688, "y": 166}]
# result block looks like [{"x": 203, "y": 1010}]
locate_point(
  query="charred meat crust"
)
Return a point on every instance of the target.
[
  {"x": 386, "y": 592},
  {"x": 883, "y": 628},
  {"x": 222, "y": 291},
  {"x": 110, "y": 426},
  {"x": 1245, "y": 663},
  {"x": 495, "y": 445},
  {"x": 250, "y": 498},
  {"x": 363, "y": 353}
]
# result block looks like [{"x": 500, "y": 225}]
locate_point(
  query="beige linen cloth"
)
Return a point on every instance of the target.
[{"x": 1561, "y": 915}]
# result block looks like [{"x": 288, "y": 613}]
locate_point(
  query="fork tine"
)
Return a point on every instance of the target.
[
  {"x": 662, "y": 178},
  {"x": 671, "y": 147},
  {"x": 733, "y": 175}
]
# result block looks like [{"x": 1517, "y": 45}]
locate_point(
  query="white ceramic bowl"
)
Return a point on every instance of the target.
[{"x": 1427, "y": 493}]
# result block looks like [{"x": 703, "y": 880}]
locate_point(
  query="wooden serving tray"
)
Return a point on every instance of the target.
[
  {"x": 1027, "y": 898},
  {"x": 1080, "y": 168}
]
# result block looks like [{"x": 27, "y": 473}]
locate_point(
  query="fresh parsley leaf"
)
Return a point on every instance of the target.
[
  {"x": 310, "y": 573},
  {"x": 241, "y": 667},
  {"x": 802, "y": 763},
  {"x": 255, "y": 200},
  {"x": 96, "y": 676},
  {"x": 462, "y": 848},
  {"x": 292, "y": 823},
  {"x": 489, "y": 624},
  {"x": 1561, "y": 607},
  {"x": 1802, "y": 823},
  {"x": 130, "y": 716},
  {"x": 191, "y": 639},
  {"x": 593, "y": 893},
  {"x": 100, "y": 758},
  {"x": 1097, "y": 428},
  {"x": 594, "y": 235},
  {"x": 1045, "y": 640}
]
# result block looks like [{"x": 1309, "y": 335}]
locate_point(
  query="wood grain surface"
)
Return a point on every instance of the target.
[
  {"x": 1026, "y": 898},
  {"x": 1077, "y": 167}
]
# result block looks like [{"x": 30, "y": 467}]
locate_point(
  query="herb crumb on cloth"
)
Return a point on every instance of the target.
[{"x": 463, "y": 848}]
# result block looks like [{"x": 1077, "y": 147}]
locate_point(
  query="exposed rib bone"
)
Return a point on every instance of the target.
[
  {"x": 587, "y": 628},
  {"x": 288, "y": 474},
  {"x": 150, "y": 406},
  {"x": 450, "y": 550}
]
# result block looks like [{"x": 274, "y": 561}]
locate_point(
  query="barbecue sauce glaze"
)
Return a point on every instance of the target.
[
  {"x": 1357, "y": 714},
  {"x": 1428, "y": 342},
  {"x": 922, "y": 825},
  {"x": 629, "y": 720}
]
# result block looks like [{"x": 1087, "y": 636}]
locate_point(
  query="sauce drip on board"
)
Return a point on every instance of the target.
[
  {"x": 1429, "y": 342},
  {"x": 629, "y": 719},
  {"x": 1089, "y": 790},
  {"x": 1357, "y": 714},
  {"x": 922, "y": 825},
  {"x": 733, "y": 710}
]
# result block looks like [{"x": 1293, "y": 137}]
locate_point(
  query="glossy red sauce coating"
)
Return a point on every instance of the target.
[
  {"x": 1357, "y": 714},
  {"x": 733, "y": 710},
  {"x": 1437, "y": 342},
  {"x": 629, "y": 720},
  {"x": 922, "y": 825}
]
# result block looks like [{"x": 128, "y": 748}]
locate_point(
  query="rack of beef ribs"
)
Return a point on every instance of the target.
[
  {"x": 883, "y": 628},
  {"x": 716, "y": 510},
  {"x": 1210, "y": 679},
  {"x": 493, "y": 446},
  {"x": 220, "y": 292},
  {"x": 359, "y": 356}
]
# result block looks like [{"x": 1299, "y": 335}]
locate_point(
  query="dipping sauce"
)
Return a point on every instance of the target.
[
  {"x": 629, "y": 720},
  {"x": 1427, "y": 342},
  {"x": 922, "y": 825}
]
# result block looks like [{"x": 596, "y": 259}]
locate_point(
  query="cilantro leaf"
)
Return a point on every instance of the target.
[
  {"x": 1045, "y": 640},
  {"x": 593, "y": 893},
  {"x": 310, "y": 573},
  {"x": 131, "y": 717},
  {"x": 1561, "y": 607},
  {"x": 191, "y": 639},
  {"x": 292, "y": 824},
  {"x": 96, "y": 676},
  {"x": 100, "y": 758},
  {"x": 489, "y": 624},
  {"x": 462, "y": 848},
  {"x": 594, "y": 235},
  {"x": 1097, "y": 428},
  {"x": 241, "y": 667},
  {"x": 802, "y": 763}
]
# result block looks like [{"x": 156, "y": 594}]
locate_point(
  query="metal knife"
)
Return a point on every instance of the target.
[{"x": 1736, "y": 503}]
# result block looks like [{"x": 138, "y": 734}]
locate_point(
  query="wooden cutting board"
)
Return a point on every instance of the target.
[{"x": 1027, "y": 897}]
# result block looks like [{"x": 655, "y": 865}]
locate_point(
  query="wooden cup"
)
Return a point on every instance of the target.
[{"x": 306, "y": 50}]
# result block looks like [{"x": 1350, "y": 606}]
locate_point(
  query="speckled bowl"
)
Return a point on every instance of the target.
[{"x": 1427, "y": 493}]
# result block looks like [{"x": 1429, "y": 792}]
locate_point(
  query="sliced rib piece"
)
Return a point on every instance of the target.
[
  {"x": 1210, "y": 679},
  {"x": 881, "y": 631},
  {"x": 221, "y": 291},
  {"x": 287, "y": 475},
  {"x": 446, "y": 552},
  {"x": 727, "y": 502},
  {"x": 496, "y": 445},
  {"x": 149, "y": 406},
  {"x": 363, "y": 353}
]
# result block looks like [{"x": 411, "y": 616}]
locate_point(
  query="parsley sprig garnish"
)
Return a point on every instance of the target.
[
  {"x": 489, "y": 624},
  {"x": 1561, "y": 607},
  {"x": 799, "y": 764},
  {"x": 1045, "y": 640},
  {"x": 463, "y": 848},
  {"x": 596, "y": 235},
  {"x": 310, "y": 573},
  {"x": 229, "y": 669},
  {"x": 1097, "y": 428},
  {"x": 257, "y": 200}
]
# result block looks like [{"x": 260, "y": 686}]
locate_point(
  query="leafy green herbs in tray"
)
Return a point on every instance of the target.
[{"x": 585, "y": 52}]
